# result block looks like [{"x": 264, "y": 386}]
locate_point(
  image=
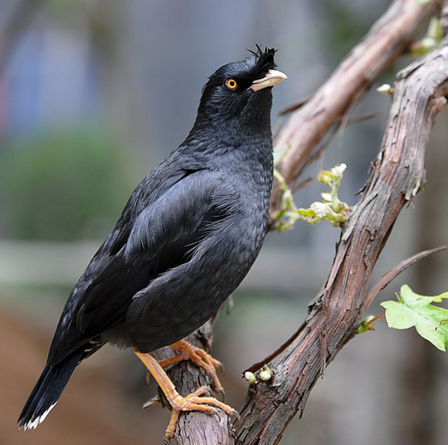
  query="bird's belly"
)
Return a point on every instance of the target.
[{"x": 184, "y": 298}]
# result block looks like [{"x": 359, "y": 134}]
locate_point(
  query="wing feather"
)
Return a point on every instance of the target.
[{"x": 158, "y": 239}]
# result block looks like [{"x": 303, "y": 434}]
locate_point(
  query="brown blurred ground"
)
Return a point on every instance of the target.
[{"x": 92, "y": 410}]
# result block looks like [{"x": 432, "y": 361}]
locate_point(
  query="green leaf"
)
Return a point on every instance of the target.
[{"x": 413, "y": 309}]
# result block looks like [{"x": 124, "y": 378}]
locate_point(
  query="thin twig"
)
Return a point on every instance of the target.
[{"x": 397, "y": 270}]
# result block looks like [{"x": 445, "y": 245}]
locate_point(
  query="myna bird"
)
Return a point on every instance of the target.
[{"x": 187, "y": 237}]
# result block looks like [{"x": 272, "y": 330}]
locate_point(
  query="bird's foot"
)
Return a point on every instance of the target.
[
  {"x": 186, "y": 351},
  {"x": 191, "y": 402},
  {"x": 194, "y": 402}
]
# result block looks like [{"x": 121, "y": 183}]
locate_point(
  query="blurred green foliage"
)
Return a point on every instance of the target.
[
  {"x": 344, "y": 26},
  {"x": 62, "y": 185}
]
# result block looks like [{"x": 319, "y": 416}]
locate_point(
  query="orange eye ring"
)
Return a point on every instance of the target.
[{"x": 231, "y": 84}]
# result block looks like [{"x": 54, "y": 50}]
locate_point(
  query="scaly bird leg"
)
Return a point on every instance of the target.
[
  {"x": 192, "y": 402},
  {"x": 199, "y": 357}
]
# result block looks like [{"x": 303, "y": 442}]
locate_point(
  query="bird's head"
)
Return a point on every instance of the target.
[{"x": 238, "y": 97}]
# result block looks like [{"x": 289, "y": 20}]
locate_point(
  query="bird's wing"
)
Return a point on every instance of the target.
[{"x": 159, "y": 238}]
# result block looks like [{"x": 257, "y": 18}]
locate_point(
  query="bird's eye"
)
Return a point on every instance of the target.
[{"x": 231, "y": 84}]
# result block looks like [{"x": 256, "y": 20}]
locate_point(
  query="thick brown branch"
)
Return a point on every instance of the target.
[
  {"x": 368, "y": 300},
  {"x": 195, "y": 428},
  {"x": 390, "y": 36},
  {"x": 397, "y": 175},
  {"x": 333, "y": 315}
]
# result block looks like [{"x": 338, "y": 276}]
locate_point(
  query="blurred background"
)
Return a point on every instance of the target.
[{"x": 93, "y": 95}]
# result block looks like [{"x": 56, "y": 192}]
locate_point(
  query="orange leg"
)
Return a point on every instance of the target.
[
  {"x": 192, "y": 402},
  {"x": 199, "y": 357}
]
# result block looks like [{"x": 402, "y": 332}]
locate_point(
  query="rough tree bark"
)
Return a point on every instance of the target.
[
  {"x": 397, "y": 175},
  {"x": 388, "y": 39}
]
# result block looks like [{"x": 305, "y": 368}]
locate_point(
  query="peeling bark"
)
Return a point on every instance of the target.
[
  {"x": 388, "y": 39},
  {"x": 397, "y": 175}
]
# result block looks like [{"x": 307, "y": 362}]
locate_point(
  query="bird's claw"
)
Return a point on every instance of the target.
[
  {"x": 194, "y": 402},
  {"x": 186, "y": 351}
]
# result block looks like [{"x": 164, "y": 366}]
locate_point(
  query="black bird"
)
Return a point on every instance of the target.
[{"x": 186, "y": 239}]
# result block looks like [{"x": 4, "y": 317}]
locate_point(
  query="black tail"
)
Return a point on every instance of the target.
[{"x": 47, "y": 391}]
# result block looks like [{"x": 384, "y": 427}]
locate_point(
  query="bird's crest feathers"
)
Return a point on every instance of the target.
[{"x": 264, "y": 59}]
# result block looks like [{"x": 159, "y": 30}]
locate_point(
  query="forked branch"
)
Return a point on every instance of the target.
[{"x": 397, "y": 175}]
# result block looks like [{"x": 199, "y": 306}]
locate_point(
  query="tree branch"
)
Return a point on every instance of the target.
[
  {"x": 386, "y": 41},
  {"x": 396, "y": 176},
  {"x": 196, "y": 428},
  {"x": 397, "y": 270}
]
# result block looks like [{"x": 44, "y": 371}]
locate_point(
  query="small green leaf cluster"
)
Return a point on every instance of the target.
[
  {"x": 331, "y": 208},
  {"x": 367, "y": 325}
]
